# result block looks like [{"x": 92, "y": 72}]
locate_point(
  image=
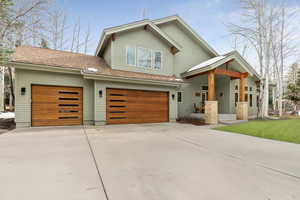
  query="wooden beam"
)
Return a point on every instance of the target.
[
  {"x": 113, "y": 37},
  {"x": 229, "y": 73},
  {"x": 173, "y": 50},
  {"x": 211, "y": 85}
]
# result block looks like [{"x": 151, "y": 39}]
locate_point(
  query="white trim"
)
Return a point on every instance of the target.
[
  {"x": 161, "y": 59},
  {"x": 138, "y": 64},
  {"x": 108, "y": 32},
  {"x": 186, "y": 26},
  {"x": 135, "y": 55}
]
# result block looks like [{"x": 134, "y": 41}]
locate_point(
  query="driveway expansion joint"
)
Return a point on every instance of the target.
[{"x": 96, "y": 164}]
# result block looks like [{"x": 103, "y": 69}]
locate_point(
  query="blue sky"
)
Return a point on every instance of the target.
[{"x": 206, "y": 17}]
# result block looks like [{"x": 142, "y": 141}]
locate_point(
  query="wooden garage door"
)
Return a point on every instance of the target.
[
  {"x": 56, "y": 106},
  {"x": 136, "y": 106}
]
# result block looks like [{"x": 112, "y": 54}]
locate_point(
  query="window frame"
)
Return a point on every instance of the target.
[
  {"x": 251, "y": 100},
  {"x": 153, "y": 59},
  {"x": 135, "y": 55},
  {"x": 179, "y": 92}
]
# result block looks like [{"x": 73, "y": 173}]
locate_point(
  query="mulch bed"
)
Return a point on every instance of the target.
[{"x": 196, "y": 122}]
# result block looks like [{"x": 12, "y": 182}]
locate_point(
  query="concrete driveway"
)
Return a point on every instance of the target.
[{"x": 151, "y": 161}]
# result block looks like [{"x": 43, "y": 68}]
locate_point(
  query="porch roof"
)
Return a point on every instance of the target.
[{"x": 218, "y": 61}]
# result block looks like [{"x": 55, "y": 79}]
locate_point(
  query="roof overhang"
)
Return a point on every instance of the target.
[
  {"x": 215, "y": 63},
  {"x": 147, "y": 24},
  {"x": 120, "y": 79},
  {"x": 86, "y": 75},
  {"x": 48, "y": 68},
  {"x": 180, "y": 21}
]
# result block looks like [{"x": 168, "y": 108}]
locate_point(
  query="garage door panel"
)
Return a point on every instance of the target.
[
  {"x": 136, "y": 106},
  {"x": 55, "y": 106}
]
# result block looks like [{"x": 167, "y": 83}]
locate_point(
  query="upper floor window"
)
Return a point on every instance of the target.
[
  {"x": 130, "y": 56},
  {"x": 157, "y": 59},
  {"x": 144, "y": 57}
]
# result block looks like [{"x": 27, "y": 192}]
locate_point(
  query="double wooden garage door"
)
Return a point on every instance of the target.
[
  {"x": 136, "y": 106},
  {"x": 56, "y": 106}
]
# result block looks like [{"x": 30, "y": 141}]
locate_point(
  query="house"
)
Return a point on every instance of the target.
[{"x": 142, "y": 72}]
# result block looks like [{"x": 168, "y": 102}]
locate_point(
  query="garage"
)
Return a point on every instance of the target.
[
  {"x": 124, "y": 106},
  {"x": 56, "y": 105}
]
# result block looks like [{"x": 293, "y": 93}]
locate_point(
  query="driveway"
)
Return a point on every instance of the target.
[{"x": 150, "y": 161}]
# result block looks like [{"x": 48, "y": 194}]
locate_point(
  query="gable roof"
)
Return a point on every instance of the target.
[
  {"x": 218, "y": 61},
  {"x": 182, "y": 23},
  {"x": 42, "y": 59},
  {"x": 153, "y": 24},
  {"x": 107, "y": 33}
]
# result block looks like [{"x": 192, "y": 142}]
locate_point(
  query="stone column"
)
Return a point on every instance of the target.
[
  {"x": 242, "y": 111},
  {"x": 211, "y": 112}
]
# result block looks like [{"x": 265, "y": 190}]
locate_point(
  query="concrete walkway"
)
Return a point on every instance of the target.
[{"x": 149, "y": 161}]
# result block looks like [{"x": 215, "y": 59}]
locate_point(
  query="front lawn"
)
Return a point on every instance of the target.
[{"x": 283, "y": 130}]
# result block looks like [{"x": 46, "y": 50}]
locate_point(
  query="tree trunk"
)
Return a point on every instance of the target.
[{"x": 11, "y": 82}]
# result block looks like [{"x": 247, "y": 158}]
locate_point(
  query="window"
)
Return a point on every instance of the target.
[
  {"x": 236, "y": 98},
  {"x": 257, "y": 101},
  {"x": 246, "y": 88},
  {"x": 130, "y": 56},
  {"x": 204, "y": 87},
  {"x": 251, "y": 100},
  {"x": 144, "y": 57},
  {"x": 246, "y": 97},
  {"x": 250, "y": 88},
  {"x": 179, "y": 97},
  {"x": 236, "y": 87},
  {"x": 157, "y": 59}
]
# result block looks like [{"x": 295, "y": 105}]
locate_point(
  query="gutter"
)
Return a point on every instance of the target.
[
  {"x": 103, "y": 77},
  {"x": 40, "y": 67}
]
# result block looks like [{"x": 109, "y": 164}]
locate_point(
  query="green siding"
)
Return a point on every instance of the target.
[
  {"x": 141, "y": 38},
  {"x": 191, "y": 54},
  {"x": 25, "y": 78},
  {"x": 107, "y": 53}
]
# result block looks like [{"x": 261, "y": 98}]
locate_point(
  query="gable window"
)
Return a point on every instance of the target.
[
  {"x": 157, "y": 59},
  {"x": 130, "y": 56},
  {"x": 144, "y": 57}
]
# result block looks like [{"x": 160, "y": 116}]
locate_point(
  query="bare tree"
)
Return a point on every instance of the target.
[
  {"x": 87, "y": 39},
  {"x": 264, "y": 26},
  {"x": 19, "y": 23}
]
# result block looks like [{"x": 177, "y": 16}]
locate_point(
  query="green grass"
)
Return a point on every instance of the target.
[{"x": 283, "y": 130}]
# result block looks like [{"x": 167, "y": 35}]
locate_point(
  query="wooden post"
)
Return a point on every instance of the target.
[
  {"x": 211, "y": 85},
  {"x": 242, "y": 89}
]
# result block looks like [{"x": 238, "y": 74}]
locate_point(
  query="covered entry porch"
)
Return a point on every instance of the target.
[{"x": 219, "y": 95}]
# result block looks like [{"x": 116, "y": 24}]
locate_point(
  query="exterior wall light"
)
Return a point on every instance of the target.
[{"x": 173, "y": 96}]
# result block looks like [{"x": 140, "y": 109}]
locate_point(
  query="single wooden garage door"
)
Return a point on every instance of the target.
[
  {"x": 136, "y": 106},
  {"x": 56, "y": 106}
]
